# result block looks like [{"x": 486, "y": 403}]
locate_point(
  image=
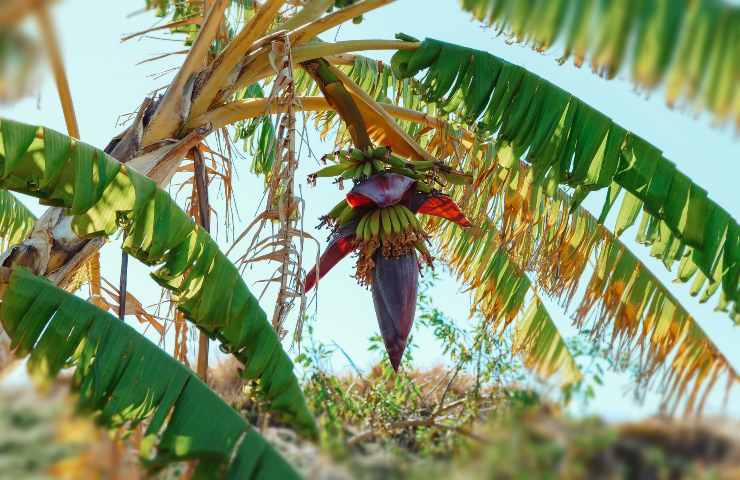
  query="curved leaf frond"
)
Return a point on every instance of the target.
[
  {"x": 567, "y": 142},
  {"x": 690, "y": 47},
  {"x": 16, "y": 221},
  {"x": 539, "y": 342},
  {"x": 102, "y": 195},
  {"x": 124, "y": 379},
  {"x": 460, "y": 146}
]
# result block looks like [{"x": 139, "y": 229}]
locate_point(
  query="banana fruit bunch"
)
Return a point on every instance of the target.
[
  {"x": 429, "y": 172},
  {"x": 340, "y": 215},
  {"x": 395, "y": 230},
  {"x": 353, "y": 164}
]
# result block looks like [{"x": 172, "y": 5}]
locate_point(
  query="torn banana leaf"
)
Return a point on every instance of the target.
[
  {"x": 258, "y": 135},
  {"x": 691, "y": 48},
  {"x": 567, "y": 142},
  {"x": 104, "y": 195},
  {"x": 124, "y": 379},
  {"x": 16, "y": 221}
]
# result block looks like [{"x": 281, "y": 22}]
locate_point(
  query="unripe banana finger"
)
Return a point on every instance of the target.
[
  {"x": 360, "y": 227},
  {"x": 423, "y": 187},
  {"x": 356, "y": 155},
  {"x": 413, "y": 221},
  {"x": 395, "y": 162},
  {"x": 338, "y": 209},
  {"x": 385, "y": 220},
  {"x": 368, "y": 234},
  {"x": 393, "y": 216},
  {"x": 375, "y": 223},
  {"x": 379, "y": 152},
  {"x": 347, "y": 215},
  {"x": 403, "y": 220},
  {"x": 422, "y": 164},
  {"x": 333, "y": 170},
  {"x": 349, "y": 173}
]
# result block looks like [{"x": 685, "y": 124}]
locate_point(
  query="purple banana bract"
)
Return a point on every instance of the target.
[{"x": 394, "y": 287}]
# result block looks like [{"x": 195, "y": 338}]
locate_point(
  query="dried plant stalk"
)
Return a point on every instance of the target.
[{"x": 284, "y": 244}]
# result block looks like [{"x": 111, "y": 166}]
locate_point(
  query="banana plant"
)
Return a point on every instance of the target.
[
  {"x": 445, "y": 130},
  {"x": 378, "y": 219},
  {"x": 431, "y": 108}
]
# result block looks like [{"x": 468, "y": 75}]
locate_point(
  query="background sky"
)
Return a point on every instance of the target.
[{"x": 107, "y": 82}]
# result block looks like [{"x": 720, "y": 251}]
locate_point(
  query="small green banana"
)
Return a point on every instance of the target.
[
  {"x": 456, "y": 178},
  {"x": 367, "y": 169},
  {"x": 337, "y": 211},
  {"x": 413, "y": 221},
  {"x": 356, "y": 155},
  {"x": 423, "y": 187},
  {"x": 368, "y": 230},
  {"x": 422, "y": 164},
  {"x": 359, "y": 230},
  {"x": 379, "y": 152},
  {"x": 394, "y": 161},
  {"x": 403, "y": 220},
  {"x": 385, "y": 220},
  {"x": 332, "y": 170},
  {"x": 349, "y": 173},
  {"x": 393, "y": 217},
  {"x": 347, "y": 215},
  {"x": 375, "y": 223}
]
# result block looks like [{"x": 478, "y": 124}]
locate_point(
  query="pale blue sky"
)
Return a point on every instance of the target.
[{"x": 106, "y": 83}]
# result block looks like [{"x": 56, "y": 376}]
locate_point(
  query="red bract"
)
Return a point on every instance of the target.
[
  {"x": 443, "y": 206},
  {"x": 381, "y": 190},
  {"x": 395, "y": 284},
  {"x": 340, "y": 246}
]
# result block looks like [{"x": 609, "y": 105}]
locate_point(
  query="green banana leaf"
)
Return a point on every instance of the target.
[
  {"x": 568, "y": 142},
  {"x": 104, "y": 195},
  {"x": 16, "y": 221},
  {"x": 124, "y": 379},
  {"x": 690, "y": 47}
]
